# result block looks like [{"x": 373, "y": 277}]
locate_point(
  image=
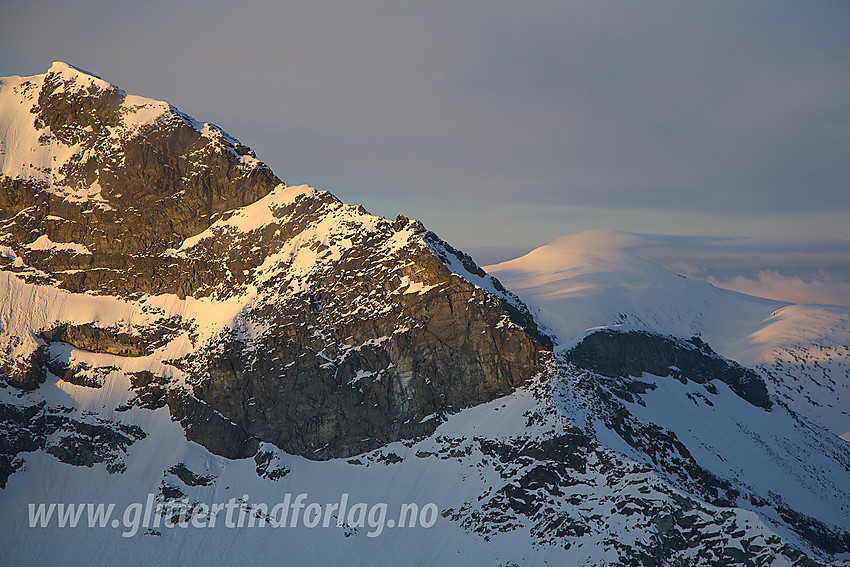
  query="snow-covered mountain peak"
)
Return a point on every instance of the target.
[
  {"x": 175, "y": 321},
  {"x": 596, "y": 279},
  {"x": 74, "y": 78},
  {"x": 243, "y": 272},
  {"x": 595, "y": 241},
  {"x": 54, "y": 124}
]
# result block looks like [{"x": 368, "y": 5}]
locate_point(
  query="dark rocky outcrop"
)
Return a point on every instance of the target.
[
  {"x": 324, "y": 383},
  {"x": 558, "y": 488},
  {"x": 109, "y": 341},
  {"x": 268, "y": 465},
  {"x": 25, "y": 429},
  {"x": 619, "y": 354},
  {"x": 29, "y": 374},
  {"x": 84, "y": 444},
  {"x": 206, "y": 426},
  {"x": 79, "y": 373},
  {"x": 189, "y": 478},
  {"x": 833, "y": 541},
  {"x": 151, "y": 390},
  {"x": 77, "y": 441}
]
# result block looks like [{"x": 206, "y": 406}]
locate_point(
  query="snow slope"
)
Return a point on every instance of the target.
[
  {"x": 596, "y": 279},
  {"x": 610, "y": 498},
  {"x": 563, "y": 470}
]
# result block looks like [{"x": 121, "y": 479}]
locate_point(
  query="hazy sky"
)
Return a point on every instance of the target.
[
  {"x": 501, "y": 123},
  {"x": 795, "y": 270}
]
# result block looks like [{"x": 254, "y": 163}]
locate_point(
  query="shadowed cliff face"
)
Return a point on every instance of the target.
[
  {"x": 153, "y": 270},
  {"x": 357, "y": 360},
  {"x": 615, "y": 354},
  {"x": 360, "y": 334},
  {"x": 355, "y": 331}
]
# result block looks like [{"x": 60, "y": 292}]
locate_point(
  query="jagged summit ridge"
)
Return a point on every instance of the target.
[
  {"x": 78, "y": 134},
  {"x": 122, "y": 113},
  {"x": 176, "y": 320},
  {"x": 98, "y": 178},
  {"x": 327, "y": 331},
  {"x": 68, "y": 71}
]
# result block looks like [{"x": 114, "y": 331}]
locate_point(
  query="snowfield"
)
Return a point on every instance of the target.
[
  {"x": 562, "y": 466},
  {"x": 595, "y": 279}
]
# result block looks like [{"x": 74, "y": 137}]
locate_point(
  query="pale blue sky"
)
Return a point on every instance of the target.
[{"x": 501, "y": 123}]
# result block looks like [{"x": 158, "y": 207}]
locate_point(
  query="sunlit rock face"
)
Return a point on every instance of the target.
[
  {"x": 352, "y": 329},
  {"x": 178, "y": 323}
]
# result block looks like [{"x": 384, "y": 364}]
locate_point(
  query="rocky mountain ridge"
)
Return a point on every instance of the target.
[
  {"x": 353, "y": 330},
  {"x": 175, "y": 318}
]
